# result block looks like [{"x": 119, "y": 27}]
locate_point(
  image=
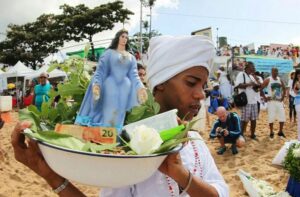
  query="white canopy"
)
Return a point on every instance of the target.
[
  {"x": 54, "y": 73},
  {"x": 19, "y": 70}
]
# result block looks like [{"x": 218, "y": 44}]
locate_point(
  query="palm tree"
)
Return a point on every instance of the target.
[{"x": 151, "y": 4}]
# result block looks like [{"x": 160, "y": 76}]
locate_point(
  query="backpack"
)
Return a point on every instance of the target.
[{"x": 240, "y": 100}]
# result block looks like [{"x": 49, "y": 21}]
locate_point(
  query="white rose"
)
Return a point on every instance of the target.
[
  {"x": 296, "y": 152},
  {"x": 144, "y": 140}
]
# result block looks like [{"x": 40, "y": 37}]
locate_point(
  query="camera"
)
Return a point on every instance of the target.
[
  {"x": 221, "y": 133},
  {"x": 256, "y": 88}
]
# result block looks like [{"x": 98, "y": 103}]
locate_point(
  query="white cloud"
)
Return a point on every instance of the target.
[{"x": 20, "y": 12}]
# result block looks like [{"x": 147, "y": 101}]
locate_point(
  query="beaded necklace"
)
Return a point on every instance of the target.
[{"x": 197, "y": 165}]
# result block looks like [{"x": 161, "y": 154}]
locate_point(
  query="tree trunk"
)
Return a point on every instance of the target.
[{"x": 93, "y": 58}]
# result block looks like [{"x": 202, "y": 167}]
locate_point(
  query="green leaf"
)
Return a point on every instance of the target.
[
  {"x": 45, "y": 110},
  {"x": 136, "y": 114},
  {"x": 70, "y": 89},
  {"x": 170, "y": 144},
  {"x": 291, "y": 163},
  {"x": 61, "y": 110},
  {"x": 53, "y": 114},
  {"x": 52, "y": 67},
  {"x": 58, "y": 139},
  {"x": 188, "y": 127},
  {"x": 25, "y": 114},
  {"x": 156, "y": 108},
  {"x": 34, "y": 109},
  {"x": 150, "y": 99}
]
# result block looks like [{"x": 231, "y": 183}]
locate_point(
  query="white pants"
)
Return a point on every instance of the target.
[
  {"x": 276, "y": 111},
  {"x": 298, "y": 119}
]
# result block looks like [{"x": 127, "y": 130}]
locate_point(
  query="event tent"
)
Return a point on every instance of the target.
[
  {"x": 19, "y": 70},
  {"x": 53, "y": 74}
]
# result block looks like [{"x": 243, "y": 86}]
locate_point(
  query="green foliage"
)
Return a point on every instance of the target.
[
  {"x": 71, "y": 92},
  {"x": 135, "y": 41},
  {"x": 292, "y": 163},
  {"x": 181, "y": 137},
  {"x": 58, "y": 139},
  {"x": 82, "y": 22},
  {"x": 32, "y": 42},
  {"x": 96, "y": 148},
  {"x": 146, "y": 110}
]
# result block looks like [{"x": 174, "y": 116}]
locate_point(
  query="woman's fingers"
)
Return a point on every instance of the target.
[
  {"x": 18, "y": 141},
  {"x": 17, "y": 138}
]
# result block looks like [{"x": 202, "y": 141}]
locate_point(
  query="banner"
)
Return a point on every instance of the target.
[{"x": 265, "y": 65}]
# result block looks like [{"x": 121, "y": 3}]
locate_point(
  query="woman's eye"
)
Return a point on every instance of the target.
[{"x": 191, "y": 83}]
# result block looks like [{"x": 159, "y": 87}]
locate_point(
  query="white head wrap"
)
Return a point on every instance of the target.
[{"x": 168, "y": 56}]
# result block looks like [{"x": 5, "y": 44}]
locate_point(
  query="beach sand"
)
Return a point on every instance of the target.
[{"x": 255, "y": 158}]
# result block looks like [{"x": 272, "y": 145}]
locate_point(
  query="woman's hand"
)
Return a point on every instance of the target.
[
  {"x": 142, "y": 95},
  {"x": 173, "y": 167},
  {"x": 28, "y": 152}
]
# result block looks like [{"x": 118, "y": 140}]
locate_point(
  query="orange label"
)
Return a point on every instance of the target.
[{"x": 102, "y": 135}]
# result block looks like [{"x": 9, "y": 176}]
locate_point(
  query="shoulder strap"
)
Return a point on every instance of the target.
[{"x": 244, "y": 78}]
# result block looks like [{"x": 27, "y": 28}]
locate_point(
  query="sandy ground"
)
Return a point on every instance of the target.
[{"x": 255, "y": 158}]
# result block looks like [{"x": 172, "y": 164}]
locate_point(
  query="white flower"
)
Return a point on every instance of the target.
[
  {"x": 144, "y": 140},
  {"x": 296, "y": 152},
  {"x": 263, "y": 188}
]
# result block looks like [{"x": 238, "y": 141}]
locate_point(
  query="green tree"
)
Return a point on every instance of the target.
[
  {"x": 150, "y": 4},
  {"x": 32, "y": 42},
  {"x": 81, "y": 23},
  {"x": 134, "y": 41}
]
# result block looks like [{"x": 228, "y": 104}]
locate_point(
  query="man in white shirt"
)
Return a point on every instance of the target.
[
  {"x": 276, "y": 93},
  {"x": 246, "y": 82}
]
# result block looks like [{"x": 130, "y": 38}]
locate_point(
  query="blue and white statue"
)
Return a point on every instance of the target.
[{"x": 114, "y": 89}]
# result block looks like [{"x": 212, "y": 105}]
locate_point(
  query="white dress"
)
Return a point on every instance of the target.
[
  {"x": 196, "y": 158},
  {"x": 225, "y": 86}
]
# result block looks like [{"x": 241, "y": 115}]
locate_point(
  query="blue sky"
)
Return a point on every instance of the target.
[{"x": 242, "y": 22}]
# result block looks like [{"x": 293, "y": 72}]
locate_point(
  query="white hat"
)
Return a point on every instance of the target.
[{"x": 169, "y": 55}]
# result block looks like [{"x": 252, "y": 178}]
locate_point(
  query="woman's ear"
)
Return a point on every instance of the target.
[{"x": 160, "y": 87}]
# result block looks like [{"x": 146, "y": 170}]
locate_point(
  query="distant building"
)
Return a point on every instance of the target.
[{"x": 204, "y": 32}]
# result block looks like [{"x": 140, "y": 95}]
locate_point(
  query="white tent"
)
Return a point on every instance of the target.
[
  {"x": 19, "y": 70},
  {"x": 54, "y": 73},
  {"x": 59, "y": 57}
]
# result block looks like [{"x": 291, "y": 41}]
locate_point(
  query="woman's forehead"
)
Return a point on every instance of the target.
[{"x": 196, "y": 71}]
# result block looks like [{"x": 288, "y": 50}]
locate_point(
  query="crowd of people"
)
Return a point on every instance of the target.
[
  {"x": 285, "y": 52},
  {"x": 180, "y": 82}
]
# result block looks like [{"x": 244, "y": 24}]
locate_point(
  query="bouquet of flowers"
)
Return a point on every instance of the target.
[
  {"x": 292, "y": 161},
  {"x": 258, "y": 188}
]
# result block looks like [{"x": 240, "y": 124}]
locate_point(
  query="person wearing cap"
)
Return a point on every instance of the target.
[
  {"x": 41, "y": 91},
  {"x": 176, "y": 79},
  {"x": 216, "y": 99}
]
